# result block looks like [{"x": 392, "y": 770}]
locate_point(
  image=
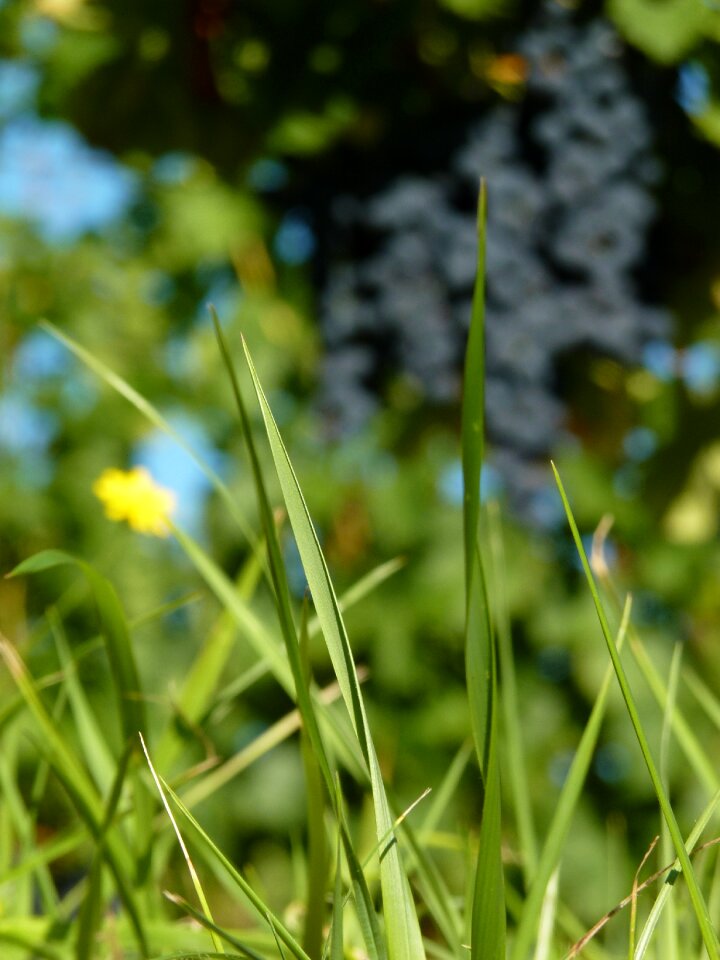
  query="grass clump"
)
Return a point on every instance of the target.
[{"x": 131, "y": 787}]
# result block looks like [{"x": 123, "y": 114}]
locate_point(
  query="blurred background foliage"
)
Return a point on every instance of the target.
[{"x": 261, "y": 156}]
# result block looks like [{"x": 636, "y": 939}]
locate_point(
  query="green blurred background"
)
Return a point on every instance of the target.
[{"x": 157, "y": 157}]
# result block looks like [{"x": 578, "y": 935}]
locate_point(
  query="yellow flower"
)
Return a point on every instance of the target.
[{"x": 134, "y": 496}]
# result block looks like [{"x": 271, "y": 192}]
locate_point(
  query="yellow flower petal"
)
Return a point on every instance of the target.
[{"x": 133, "y": 495}]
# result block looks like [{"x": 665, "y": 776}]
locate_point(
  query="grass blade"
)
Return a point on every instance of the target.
[
  {"x": 488, "y": 922},
  {"x": 402, "y": 928},
  {"x": 709, "y": 935},
  {"x": 116, "y": 382}
]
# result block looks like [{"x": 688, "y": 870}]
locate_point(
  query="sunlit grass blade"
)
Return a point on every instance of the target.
[
  {"x": 667, "y": 888},
  {"x": 547, "y": 919},
  {"x": 154, "y": 416},
  {"x": 335, "y": 945},
  {"x": 556, "y": 834},
  {"x": 709, "y": 935},
  {"x": 186, "y": 856},
  {"x": 401, "y": 924},
  {"x": 205, "y": 844}
]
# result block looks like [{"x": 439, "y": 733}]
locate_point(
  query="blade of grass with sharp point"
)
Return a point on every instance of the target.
[
  {"x": 514, "y": 754},
  {"x": 401, "y": 923},
  {"x": 364, "y": 905},
  {"x": 306, "y": 707},
  {"x": 688, "y": 742},
  {"x": 186, "y": 856},
  {"x": 204, "y": 841},
  {"x": 709, "y": 935},
  {"x": 488, "y": 922},
  {"x": 151, "y": 413},
  {"x": 79, "y": 788},
  {"x": 551, "y": 851}
]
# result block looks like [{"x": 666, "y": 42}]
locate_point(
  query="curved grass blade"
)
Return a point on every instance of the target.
[
  {"x": 191, "y": 867},
  {"x": 152, "y": 414},
  {"x": 211, "y": 849},
  {"x": 306, "y": 706},
  {"x": 401, "y": 924},
  {"x": 709, "y": 934}
]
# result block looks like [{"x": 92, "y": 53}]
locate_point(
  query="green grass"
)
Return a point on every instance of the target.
[{"x": 131, "y": 784}]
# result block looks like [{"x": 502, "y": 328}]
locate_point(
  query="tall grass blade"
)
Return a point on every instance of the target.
[
  {"x": 401, "y": 924},
  {"x": 186, "y": 856},
  {"x": 559, "y": 826},
  {"x": 709, "y": 935},
  {"x": 206, "y": 844},
  {"x": 488, "y": 922}
]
